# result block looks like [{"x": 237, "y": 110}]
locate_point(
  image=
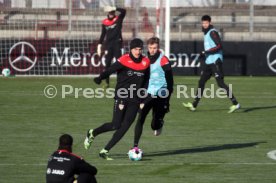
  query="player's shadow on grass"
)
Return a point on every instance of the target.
[
  {"x": 212, "y": 110},
  {"x": 203, "y": 149},
  {"x": 250, "y": 109}
]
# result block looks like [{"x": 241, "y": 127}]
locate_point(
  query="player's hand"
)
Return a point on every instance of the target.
[
  {"x": 167, "y": 106},
  {"x": 99, "y": 49},
  {"x": 97, "y": 80},
  {"x": 109, "y": 8},
  {"x": 202, "y": 54}
]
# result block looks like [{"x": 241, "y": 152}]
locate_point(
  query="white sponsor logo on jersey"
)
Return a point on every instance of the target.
[{"x": 58, "y": 172}]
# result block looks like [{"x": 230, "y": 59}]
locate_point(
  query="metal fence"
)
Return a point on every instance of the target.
[
  {"x": 72, "y": 27},
  {"x": 240, "y": 20}
]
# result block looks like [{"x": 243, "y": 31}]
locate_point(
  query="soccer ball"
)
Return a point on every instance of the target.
[
  {"x": 6, "y": 72},
  {"x": 135, "y": 154}
]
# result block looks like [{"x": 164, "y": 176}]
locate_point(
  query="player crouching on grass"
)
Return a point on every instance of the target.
[
  {"x": 132, "y": 70},
  {"x": 213, "y": 65},
  {"x": 159, "y": 91},
  {"x": 63, "y": 165}
]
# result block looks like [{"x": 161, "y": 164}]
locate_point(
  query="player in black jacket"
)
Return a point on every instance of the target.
[
  {"x": 132, "y": 74},
  {"x": 111, "y": 35},
  {"x": 63, "y": 165}
]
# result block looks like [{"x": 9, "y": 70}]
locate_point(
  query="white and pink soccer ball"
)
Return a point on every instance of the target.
[
  {"x": 6, "y": 72},
  {"x": 135, "y": 154}
]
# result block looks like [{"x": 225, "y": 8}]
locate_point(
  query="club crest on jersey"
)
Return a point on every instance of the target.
[
  {"x": 144, "y": 63},
  {"x": 121, "y": 106}
]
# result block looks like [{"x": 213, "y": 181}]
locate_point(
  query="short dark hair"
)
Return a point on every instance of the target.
[
  {"x": 206, "y": 18},
  {"x": 136, "y": 43},
  {"x": 65, "y": 141},
  {"x": 153, "y": 40}
]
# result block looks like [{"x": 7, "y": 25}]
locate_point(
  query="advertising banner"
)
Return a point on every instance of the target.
[{"x": 78, "y": 57}]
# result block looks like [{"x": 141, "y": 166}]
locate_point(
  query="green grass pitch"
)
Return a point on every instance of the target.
[{"x": 205, "y": 146}]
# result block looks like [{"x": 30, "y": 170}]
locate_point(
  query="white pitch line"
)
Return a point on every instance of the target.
[
  {"x": 141, "y": 164},
  {"x": 259, "y": 97},
  {"x": 23, "y": 164},
  {"x": 233, "y": 163},
  {"x": 180, "y": 164}
]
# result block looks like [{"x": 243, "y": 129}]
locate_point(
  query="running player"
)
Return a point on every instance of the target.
[
  {"x": 213, "y": 65},
  {"x": 159, "y": 89},
  {"x": 132, "y": 72}
]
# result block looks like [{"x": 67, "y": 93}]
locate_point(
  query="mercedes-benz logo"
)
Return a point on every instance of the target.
[
  {"x": 271, "y": 62},
  {"x": 129, "y": 73},
  {"x": 22, "y": 57}
]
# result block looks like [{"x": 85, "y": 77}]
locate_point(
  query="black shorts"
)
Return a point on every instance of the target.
[
  {"x": 159, "y": 106},
  {"x": 214, "y": 69},
  {"x": 112, "y": 49},
  {"x": 124, "y": 111}
]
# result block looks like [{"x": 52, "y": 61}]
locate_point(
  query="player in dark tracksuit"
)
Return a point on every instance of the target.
[
  {"x": 213, "y": 65},
  {"x": 111, "y": 35},
  {"x": 159, "y": 88},
  {"x": 132, "y": 72},
  {"x": 63, "y": 165}
]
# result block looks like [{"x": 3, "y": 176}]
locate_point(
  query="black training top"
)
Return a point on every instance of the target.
[
  {"x": 112, "y": 28},
  {"x": 131, "y": 72},
  {"x": 63, "y": 165}
]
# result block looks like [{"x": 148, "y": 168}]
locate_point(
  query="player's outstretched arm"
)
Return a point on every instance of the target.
[
  {"x": 110, "y": 70},
  {"x": 99, "y": 47},
  {"x": 103, "y": 33},
  {"x": 169, "y": 80},
  {"x": 166, "y": 66},
  {"x": 122, "y": 12}
]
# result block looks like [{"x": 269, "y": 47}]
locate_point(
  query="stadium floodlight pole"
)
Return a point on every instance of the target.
[
  {"x": 70, "y": 17},
  {"x": 137, "y": 7},
  {"x": 158, "y": 18},
  {"x": 251, "y": 22},
  {"x": 220, "y": 4},
  {"x": 167, "y": 28},
  {"x": 36, "y": 31}
]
